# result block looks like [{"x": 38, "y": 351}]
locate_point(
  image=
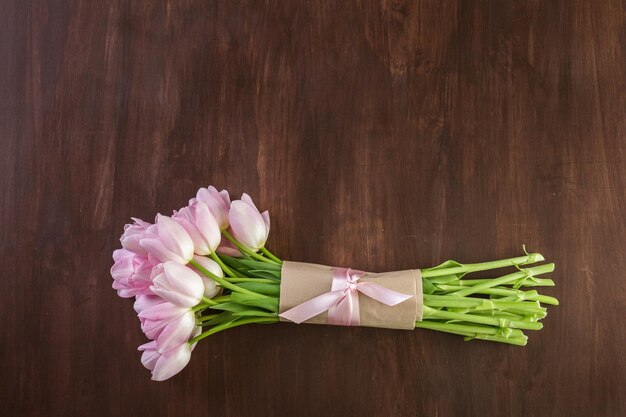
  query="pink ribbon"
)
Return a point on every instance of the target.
[{"x": 342, "y": 301}]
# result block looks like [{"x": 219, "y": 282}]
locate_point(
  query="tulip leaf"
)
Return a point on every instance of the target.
[
  {"x": 253, "y": 268},
  {"x": 428, "y": 287},
  {"x": 260, "y": 265},
  {"x": 275, "y": 275},
  {"x": 445, "y": 265},
  {"x": 268, "y": 303},
  {"x": 444, "y": 279},
  {"x": 232, "y": 262},
  {"x": 261, "y": 288},
  {"x": 254, "y": 313},
  {"x": 220, "y": 318},
  {"x": 230, "y": 306}
]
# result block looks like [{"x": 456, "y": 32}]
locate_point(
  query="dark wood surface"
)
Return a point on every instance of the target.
[{"x": 380, "y": 135}]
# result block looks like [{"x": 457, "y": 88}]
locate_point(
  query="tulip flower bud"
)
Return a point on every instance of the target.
[
  {"x": 177, "y": 284},
  {"x": 177, "y": 331},
  {"x": 168, "y": 241},
  {"x": 218, "y": 203},
  {"x": 165, "y": 364},
  {"x": 155, "y": 316},
  {"x": 210, "y": 287},
  {"x": 249, "y": 227},
  {"x": 131, "y": 273},
  {"x": 201, "y": 226},
  {"x": 133, "y": 233}
]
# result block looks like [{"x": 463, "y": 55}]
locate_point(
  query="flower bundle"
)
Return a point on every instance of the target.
[{"x": 206, "y": 269}]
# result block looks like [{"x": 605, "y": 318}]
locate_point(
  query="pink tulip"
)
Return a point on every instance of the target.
[
  {"x": 168, "y": 241},
  {"x": 218, "y": 202},
  {"x": 165, "y": 364},
  {"x": 169, "y": 359},
  {"x": 249, "y": 227},
  {"x": 131, "y": 273},
  {"x": 133, "y": 233},
  {"x": 154, "y": 318},
  {"x": 168, "y": 325},
  {"x": 210, "y": 287},
  {"x": 177, "y": 331},
  {"x": 177, "y": 284},
  {"x": 165, "y": 322},
  {"x": 201, "y": 226}
]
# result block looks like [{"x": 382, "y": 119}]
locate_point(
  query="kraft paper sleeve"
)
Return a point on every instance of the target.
[{"x": 302, "y": 281}]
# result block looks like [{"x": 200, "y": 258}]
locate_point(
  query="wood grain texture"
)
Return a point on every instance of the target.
[{"x": 381, "y": 135}]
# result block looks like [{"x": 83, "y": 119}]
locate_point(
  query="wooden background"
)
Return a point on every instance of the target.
[{"x": 381, "y": 135}]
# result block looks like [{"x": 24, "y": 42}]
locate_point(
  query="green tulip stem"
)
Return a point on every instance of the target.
[
  {"x": 245, "y": 250},
  {"x": 222, "y": 282},
  {"x": 473, "y": 332},
  {"x": 271, "y": 255},
  {"x": 483, "y": 266},
  {"x": 208, "y": 301},
  {"x": 222, "y": 265},
  {"x": 452, "y": 304},
  {"x": 522, "y": 273},
  {"x": 231, "y": 324},
  {"x": 258, "y": 280},
  {"x": 490, "y": 321}
]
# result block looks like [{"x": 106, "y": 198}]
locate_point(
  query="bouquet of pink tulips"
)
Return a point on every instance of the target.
[{"x": 206, "y": 269}]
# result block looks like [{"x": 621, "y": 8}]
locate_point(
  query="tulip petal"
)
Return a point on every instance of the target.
[
  {"x": 178, "y": 284},
  {"x": 159, "y": 251},
  {"x": 150, "y": 356},
  {"x": 266, "y": 219},
  {"x": 218, "y": 203},
  {"x": 155, "y": 318},
  {"x": 141, "y": 223},
  {"x": 183, "y": 278},
  {"x": 206, "y": 223},
  {"x": 175, "y": 237},
  {"x": 133, "y": 233},
  {"x": 199, "y": 242},
  {"x": 246, "y": 198},
  {"x": 172, "y": 362},
  {"x": 176, "y": 332},
  {"x": 162, "y": 311},
  {"x": 224, "y": 195},
  {"x": 123, "y": 266},
  {"x": 195, "y": 333},
  {"x": 120, "y": 254},
  {"x": 143, "y": 302},
  {"x": 247, "y": 225},
  {"x": 209, "y": 264},
  {"x": 131, "y": 273},
  {"x": 210, "y": 288},
  {"x": 176, "y": 298}
]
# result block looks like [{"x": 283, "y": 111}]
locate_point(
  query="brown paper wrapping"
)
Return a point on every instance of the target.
[{"x": 302, "y": 281}]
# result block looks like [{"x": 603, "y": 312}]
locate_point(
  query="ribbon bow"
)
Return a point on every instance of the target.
[{"x": 342, "y": 301}]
